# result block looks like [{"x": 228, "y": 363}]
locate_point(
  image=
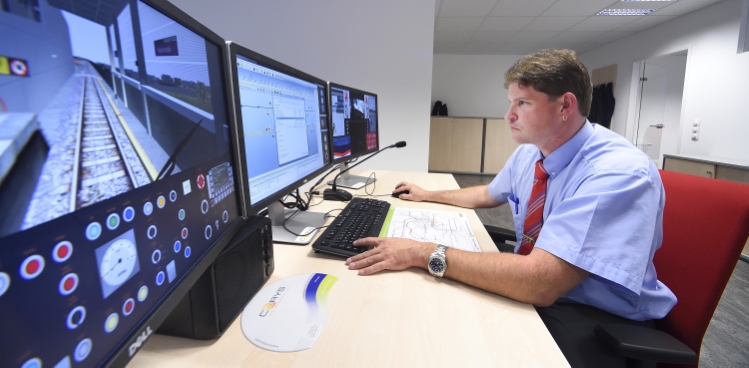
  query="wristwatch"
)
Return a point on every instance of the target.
[{"x": 437, "y": 263}]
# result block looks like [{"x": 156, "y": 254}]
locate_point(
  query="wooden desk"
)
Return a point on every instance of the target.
[{"x": 391, "y": 319}]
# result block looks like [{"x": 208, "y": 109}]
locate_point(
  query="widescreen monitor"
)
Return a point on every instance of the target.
[
  {"x": 117, "y": 181},
  {"x": 354, "y": 130},
  {"x": 282, "y": 123}
]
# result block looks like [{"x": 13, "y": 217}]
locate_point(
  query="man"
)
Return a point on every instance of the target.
[{"x": 587, "y": 208}]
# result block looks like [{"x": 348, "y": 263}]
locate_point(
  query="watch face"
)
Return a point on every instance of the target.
[{"x": 436, "y": 265}]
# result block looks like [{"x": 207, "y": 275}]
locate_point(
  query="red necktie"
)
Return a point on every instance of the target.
[{"x": 534, "y": 216}]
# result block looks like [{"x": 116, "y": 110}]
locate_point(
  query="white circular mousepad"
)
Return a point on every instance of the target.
[{"x": 289, "y": 314}]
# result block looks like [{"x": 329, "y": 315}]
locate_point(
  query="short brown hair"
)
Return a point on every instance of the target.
[{"x": 554, "y": 72}]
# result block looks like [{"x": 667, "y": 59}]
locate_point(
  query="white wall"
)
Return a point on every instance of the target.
[
  {"x": 717, "y": 78},
  {"x": 382, "y": 46},
  {"x": 472, "y": 85}
]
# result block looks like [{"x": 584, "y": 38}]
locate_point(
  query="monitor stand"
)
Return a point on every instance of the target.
[
  {"x": 301, "y": 223},
  {"x": 347, "y": 180}
]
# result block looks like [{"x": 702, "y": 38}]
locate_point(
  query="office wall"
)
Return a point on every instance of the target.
[
  {"x": 715, "y": 88},
  {"x": 472, "y": 85},
  {"x": 380, "y": 46}
]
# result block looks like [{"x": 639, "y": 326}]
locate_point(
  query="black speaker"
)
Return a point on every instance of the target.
[{"x": 227, "y": 285}]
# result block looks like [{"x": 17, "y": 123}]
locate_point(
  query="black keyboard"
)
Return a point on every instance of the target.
[{"x": 360, "y": 219}]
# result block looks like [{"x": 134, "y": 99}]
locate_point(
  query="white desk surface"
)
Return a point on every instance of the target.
[{"x": 390, "y": 319}]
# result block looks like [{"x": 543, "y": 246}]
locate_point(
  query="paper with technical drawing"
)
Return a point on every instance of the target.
[{"x": 442, "y": 227}]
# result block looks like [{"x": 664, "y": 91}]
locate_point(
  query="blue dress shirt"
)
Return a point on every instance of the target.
[{"x": 603, "y": 213}]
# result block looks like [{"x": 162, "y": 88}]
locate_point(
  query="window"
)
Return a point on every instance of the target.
[{"x": 25, "y": 8}]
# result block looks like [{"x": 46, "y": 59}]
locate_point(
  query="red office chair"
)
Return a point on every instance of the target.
[{"x": 705, "y": 226}]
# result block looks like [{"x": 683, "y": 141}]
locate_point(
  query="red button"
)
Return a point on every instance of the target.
[
  {"x": 69, "y": 283},
  {"x": 201, "y": 181},
  {"x": 128, "y": 307},
  {"x": 62, "y": 252},
  {"x": 184, "y": 233},
  {"x": 32, "y": 267}
]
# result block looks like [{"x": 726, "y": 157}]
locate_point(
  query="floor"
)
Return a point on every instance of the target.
[{"x": 726, "y": 343}]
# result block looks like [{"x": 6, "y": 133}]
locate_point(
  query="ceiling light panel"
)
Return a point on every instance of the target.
[{"x": 626, "y": 11}]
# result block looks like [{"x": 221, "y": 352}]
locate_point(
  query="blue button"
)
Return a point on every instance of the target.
[
  {"x": 187, "y": 252},
  {"x": 93, "y": 231},
  {"x": 177, "y": 246},
  {"x": 128, "y": 214},
  {"x": 160, "y": 278}
]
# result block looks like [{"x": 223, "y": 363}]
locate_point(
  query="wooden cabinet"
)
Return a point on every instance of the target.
[
  {"x": 732, "y": 174},
  {"x": 498, "y": 145},
  {"x": 689, "y": 167},
  {"x": 455, "y": 144}
]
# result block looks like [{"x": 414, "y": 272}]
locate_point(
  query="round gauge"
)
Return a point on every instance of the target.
[{"x": 118, "y": 262}]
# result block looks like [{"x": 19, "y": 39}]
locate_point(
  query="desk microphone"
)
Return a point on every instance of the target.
[{"x": 334, "y": 194}]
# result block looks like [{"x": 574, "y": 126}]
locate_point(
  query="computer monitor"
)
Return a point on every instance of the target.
[
  {"x": 282, "y": 120},
  {"x": 117, "y": 185},
  {"x": 354, "y": 130}
]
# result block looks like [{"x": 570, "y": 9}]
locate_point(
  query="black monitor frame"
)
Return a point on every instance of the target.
[
  {"x": 248, "y": 208},
  {"x": 352, "y": 156},
  {"x": 123, "y": 352}
]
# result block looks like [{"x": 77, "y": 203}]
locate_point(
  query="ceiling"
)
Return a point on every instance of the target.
[{"x": 518, "y": 27}]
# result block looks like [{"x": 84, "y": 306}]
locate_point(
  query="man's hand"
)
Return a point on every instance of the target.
[
  {"x": 415, "y": 194},
  {"x": 390, "y": 254}
]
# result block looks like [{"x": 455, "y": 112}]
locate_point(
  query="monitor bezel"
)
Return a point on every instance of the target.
[
  {"x": 120, "y": 355},
  {"x": 234, "y": 50},
  {"x": 352, "y": 156}
]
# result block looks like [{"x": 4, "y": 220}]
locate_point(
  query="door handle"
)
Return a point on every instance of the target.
[
  {"x": 657, "y": 126},
  {"x": 709, "y": 174}
]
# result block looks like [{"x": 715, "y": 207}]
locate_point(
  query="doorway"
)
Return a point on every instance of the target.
[{"x": 659, "y": 105}]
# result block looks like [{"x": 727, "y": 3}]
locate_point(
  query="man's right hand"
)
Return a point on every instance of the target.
[{"x": 415, "y": 193}]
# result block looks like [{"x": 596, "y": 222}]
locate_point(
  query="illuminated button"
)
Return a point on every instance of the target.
[
  {"x": 204, "y": 207},
  {"x": 208, "y": 232},
  {"x": 200, "y": 181},
  {"x": 32, "y": 363},
  {"x": 225, "y": 216},
  {"x": 82, "y": 350},
  {"x": 63, "y": 250},
  {"x": 142, "y": 293},
  {"x": 32, "y": 267},
  {"x": 111, "y": 323},
  {"x": 76, "y": 317},
  {"x": 173, "y": 195},
  {"x": 127, "y": 308},
  {"x": 128, "y": 214},
  {"x": 161, "y": 202},
  {"x": 156, "y": 256},
  {"x": 171, "y": 271},
  {"x": 113, "y": 221},
  {"x": 181, "y": 214},
  {"x": 148, "y": 208},
  {"x": 68, "y": 284},
  {"x": 4, "y": 282},
  {"x": 93, "y": 230},
  {"x": 64, "y": 363},
  {"x": 160, "y": 278},
  {"x": 188, "y": 251},
  {"x": 184, "y": 233},
  {"x": 151, "y": 232},
  {"x": 177, "y": 246}
]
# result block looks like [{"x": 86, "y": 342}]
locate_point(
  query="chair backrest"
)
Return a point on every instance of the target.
[{"x": 705, "y": 226}]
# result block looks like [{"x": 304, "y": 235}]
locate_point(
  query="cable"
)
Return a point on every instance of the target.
[
  {"x": 326, "y": 216},
  {"x": 373, "y": 175}
]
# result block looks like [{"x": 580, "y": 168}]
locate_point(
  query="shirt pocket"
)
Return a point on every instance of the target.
[{"x": 518, "y": 213}]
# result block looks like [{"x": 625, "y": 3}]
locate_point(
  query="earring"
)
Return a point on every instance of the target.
[{"x": 564, "y": 117}]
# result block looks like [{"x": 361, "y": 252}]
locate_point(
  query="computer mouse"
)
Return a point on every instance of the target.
[{"x": 398, "y": 195}]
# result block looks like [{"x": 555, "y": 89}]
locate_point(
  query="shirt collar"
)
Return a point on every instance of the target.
[{"x": 558, "y": 160}]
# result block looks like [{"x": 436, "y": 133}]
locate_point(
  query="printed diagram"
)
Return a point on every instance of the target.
[{"x": 443, "y": 227}]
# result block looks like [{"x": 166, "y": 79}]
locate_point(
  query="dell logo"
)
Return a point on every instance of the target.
[{"x": 141, "y": 339}]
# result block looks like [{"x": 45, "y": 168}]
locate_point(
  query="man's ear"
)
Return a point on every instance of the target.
[{"x": 569, "y": 103}]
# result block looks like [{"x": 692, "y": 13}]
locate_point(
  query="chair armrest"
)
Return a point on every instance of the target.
[
  {"x": 645, "y": 344},
  {"x": 501, "y": 236}
]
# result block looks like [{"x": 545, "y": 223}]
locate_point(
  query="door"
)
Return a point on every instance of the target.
[{"x": 658, "y": 121}]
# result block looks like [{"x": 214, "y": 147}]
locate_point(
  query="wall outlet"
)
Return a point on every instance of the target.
[{"x": 696, "y": 129}]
